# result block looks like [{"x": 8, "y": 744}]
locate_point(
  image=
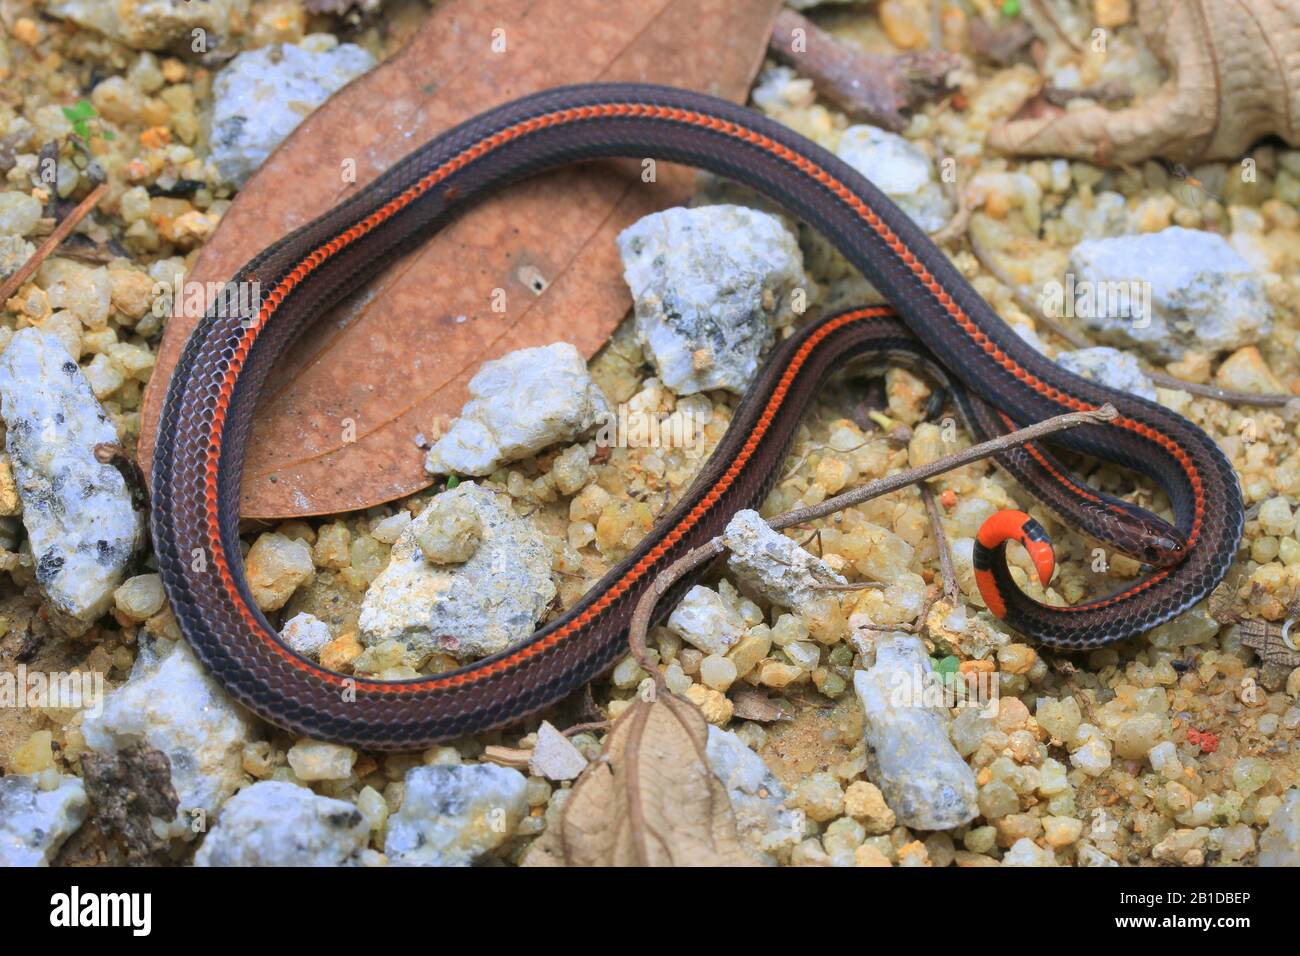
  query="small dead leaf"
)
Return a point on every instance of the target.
[
  {"x": 1234, "y": 79},
  {"x": 1267, "y": 640},
  {"x": 651, "y": 799},
  {"x": 337, "y": 428},
  {"x": 750, "y": 703}
]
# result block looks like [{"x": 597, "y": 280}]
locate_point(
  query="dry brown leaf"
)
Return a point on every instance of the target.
[
  {"x": 651, "y": 799},
  {"x": 750, "y": 703},
  {"x": 1235, "y": 78},
  {"x": 393, "y": 363}
]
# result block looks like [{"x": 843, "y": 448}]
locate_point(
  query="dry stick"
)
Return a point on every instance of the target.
[
  {"x": 958, "y": 225},
  {"x": 946, "y": 568},
  {"x": 1079, "y": 341},
  {"x": 692, "y": 559},
  {"x": 61, "y": 232},
  {"x": 867, "y": 86}
]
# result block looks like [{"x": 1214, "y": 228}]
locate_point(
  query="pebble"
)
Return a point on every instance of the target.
[
  {"x": 490, "y": 602},
  {"x": 777, "y": 567},
  {"x": 901, "y": 170},
  {"x": 314, "y": 760},
  {"x": 453, "y": 814},
  {"x": 1110, "y": 367},
  {"x": 710, "y": 285},
  {"x": 924, "y": 780},
  {"x": 19, "y": 213},
  {"x": 452, "y": 530},
  {"x": 172, "y": 704},
  {"x": 864, "y": 802},
  {"x": 520, "y": 403},
  {"x": 704, "y": 620},
  {"x": 276, "y": 566},
  {"x": 1203, "y": 294},
  {"x": 262, "y": 95},
  {"x": 1025, "y": 852},
  {"x": 82, "y": 527},
  {"x": 758, "y": 799},
  {"x": 85, "y": 291},
  {"x": 36, "y": 817},
  {"x": 1280, "y": 843},
  {"x": 1137, "y": 735},
  {"x": 306, "y": 634},
  {"x": 140, "y": 597},
  {"x": 1093, "y": 757},
  {"x": 554, "y": 755},
  {"x": 154, "y": 24},
  {"x": 273, "y": 823}
]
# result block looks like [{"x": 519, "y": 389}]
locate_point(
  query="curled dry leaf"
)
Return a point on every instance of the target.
[
  {"x": 338, "y": 424},
  {"x": 651, "y": 799},
  {"x": 1234, "y": 78}
]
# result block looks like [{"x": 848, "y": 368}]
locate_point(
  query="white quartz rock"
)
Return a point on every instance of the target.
[
  {"x": 306, "y": 634},
  {"x": 1280, "y": 843},
  {"x": 1107, "y": 366},
  {"x": 705, "y": 620},
  {"x": 757, "y": 797},
  {"x": 710, "y": 286},
  {"x": 470, "y": 610},
  {"x": 900, "y": 170},
  {"x": 35, "y": 821},
  {"x": 78, "y": 513},
  {"x": 172, "y": 704},
  {"x": 777, "y": 567},
  {"x": 1166, "y": 292},
  {"x": 452, "y": 814},
  {"x": 924, "y": 779},
  {"x": 522, "y": 402},
  {"x": 273, "y": 823},
  {"x": 262, "y": 95},
  {"x": 155, "y": 24}
]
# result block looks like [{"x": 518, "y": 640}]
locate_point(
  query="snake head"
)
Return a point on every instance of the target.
[{"x": 1161, "y": 545}]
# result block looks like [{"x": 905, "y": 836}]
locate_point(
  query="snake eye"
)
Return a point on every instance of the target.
[{"x": 1162, "y": 549}]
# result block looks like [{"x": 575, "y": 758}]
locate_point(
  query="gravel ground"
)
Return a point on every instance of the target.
[{"x": 1175, "y": 748}]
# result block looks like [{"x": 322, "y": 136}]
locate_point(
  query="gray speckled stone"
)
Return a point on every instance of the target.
[
  {"x": 710, "y": 285},
  {"x": 522, "y": 402},
  {"x": 777, "y": 567},
  {"x": 469, "y": 610},
  {"x": 1107, "y": 366},
  {"x": 453, "y": 814},
  {"x": 35, "y": 822},
  {"x": 756, "y": 795},
  {"x": 1204, "y": 295},
  {"x": 273, "y": 823},
  {"x": 80, "y": 522},
  {"x": 262, "y": 95},
  {"x": 911, "y": 758}
]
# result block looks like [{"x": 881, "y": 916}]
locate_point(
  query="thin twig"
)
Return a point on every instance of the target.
[
  {"x": 867, "y": 86},
  {"x": 665, "y": 579},
  {"x": 1026, "y": 301},
  {"x": 896, "y": 482},
  {"x": 1050, "y": 17},
  {"x": 583, "y": 728},
  {"x": 1023, "y": 298},
  {"x": 957, "y": 226},
  {"x": 61, "y": 232},
  {"x": 946, "y": 569}
]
